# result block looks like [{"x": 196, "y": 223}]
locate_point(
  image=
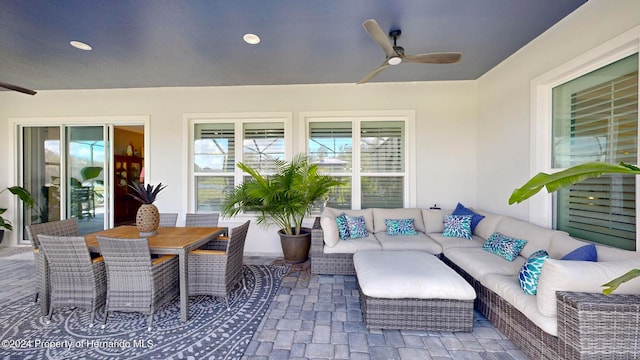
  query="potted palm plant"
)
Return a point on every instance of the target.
[
  {"x": 147, "y": 217},
  {"x": 25, "y": 196},
  {"x": 568, "y": 177},
  {"x": 284, "y": 198}
]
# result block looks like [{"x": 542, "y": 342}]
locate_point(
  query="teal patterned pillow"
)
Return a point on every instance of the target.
[
  {"x": 357, "y": 227},
  {"x": 400, "y": 227},
  {"x": 504, "y": 246},
  {"x": 457, "y": 226},
  {"x": 343, "y": 228},
  {"x": 530, "y": 272}
]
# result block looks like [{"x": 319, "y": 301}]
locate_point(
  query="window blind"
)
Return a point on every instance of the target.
[
  {"x": 214, "y": 148},
  {"x": 262, "y": 144},
  {"x": 603, "y": 126}
]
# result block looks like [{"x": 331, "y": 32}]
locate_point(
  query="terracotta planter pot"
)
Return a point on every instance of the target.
[
  {"x": 147, "y": 220},
  {"x": 296, "y": 247}
]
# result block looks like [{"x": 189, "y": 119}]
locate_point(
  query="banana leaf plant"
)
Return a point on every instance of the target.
[
  {"x": 24, "y": 195},
  {"x": 568, "y": 177}
]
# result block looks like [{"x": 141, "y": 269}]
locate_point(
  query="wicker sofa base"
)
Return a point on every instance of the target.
[{"x": 417, "y": 314}]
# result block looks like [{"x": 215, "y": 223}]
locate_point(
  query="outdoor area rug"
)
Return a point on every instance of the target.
[{"x": 212, "y": 332}]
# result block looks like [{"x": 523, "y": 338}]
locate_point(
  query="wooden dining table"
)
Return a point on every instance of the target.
[{"x": 168, "y": 241}]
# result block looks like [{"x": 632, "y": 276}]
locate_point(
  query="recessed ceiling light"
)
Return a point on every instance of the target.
[
  {"x": 80, "y": 45},
  {"x": 252, "y": 39}
]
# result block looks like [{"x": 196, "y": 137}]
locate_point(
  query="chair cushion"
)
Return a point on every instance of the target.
[
  {"x": 419, "y": 241},
  {"x": 351, "y": 246}
]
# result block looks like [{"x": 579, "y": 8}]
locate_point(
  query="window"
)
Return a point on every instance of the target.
[
  {"x": 219, "y": 143},
  {"x": 369, "y": 154},
  {"x": 595, "y": 118}
]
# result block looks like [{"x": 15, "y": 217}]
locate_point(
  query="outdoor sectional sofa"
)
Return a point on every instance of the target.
[{"x": 569, "y": 318}]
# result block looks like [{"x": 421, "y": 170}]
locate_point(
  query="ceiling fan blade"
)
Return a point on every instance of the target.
[
  {"x": 375, "y": 31},
  {"x": 17, "y": 88},
  {"x": 433, "y": 58},
  {"x": 375, "y": 72}
]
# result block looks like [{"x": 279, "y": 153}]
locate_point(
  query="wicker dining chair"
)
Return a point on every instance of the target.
[
  {"x": 168, "y": 219},
  {"x": 215, "y": 272},
  {"x": 201, "y": 219},
  {"x": 68, "y": 227},
  {"x": 135, "y": 282},
  {"x": 75, "y": 278}
]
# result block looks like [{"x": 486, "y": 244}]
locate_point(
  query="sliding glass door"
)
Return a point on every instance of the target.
[{"x": 64, "y": 169}]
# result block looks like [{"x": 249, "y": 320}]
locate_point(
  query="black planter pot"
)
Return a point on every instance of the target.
[
  {"x": 1, "y": 235},
  {"x": 296, "y": 247}
]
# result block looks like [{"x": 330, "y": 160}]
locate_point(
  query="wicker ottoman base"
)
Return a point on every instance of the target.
[
  {"x": 417, "y": 314},
  {"x": 412, "y": 291}
]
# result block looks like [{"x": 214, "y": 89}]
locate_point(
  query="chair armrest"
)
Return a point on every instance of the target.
[
  {"x": 594, "y": 323},
  {"x": 208, "y": 252},
  {"x": 162, "y": 259},
  {"x": 317, "y": 237},
  {"x": 97, "y": 259},
  {"x": 222, "y": 238}
]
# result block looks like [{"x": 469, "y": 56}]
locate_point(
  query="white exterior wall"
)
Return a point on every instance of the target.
[
  {"x": 445, "y": 131},
  {"x": 504, "y": 100}
]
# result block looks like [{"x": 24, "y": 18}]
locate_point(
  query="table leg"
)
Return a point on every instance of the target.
[{"x": 184, "y": 286}]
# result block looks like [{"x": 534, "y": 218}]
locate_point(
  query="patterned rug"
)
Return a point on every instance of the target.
[{"x": 212, "y": 332}]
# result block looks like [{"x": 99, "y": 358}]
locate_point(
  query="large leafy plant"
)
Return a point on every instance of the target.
[
  {"x": 24, "y": 195},
  {"x": 568, "y": 177},
  {"x": 283, "y": 198}
]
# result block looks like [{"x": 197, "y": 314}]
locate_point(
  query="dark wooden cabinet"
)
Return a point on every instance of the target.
[{"x": 126, "y": 171}]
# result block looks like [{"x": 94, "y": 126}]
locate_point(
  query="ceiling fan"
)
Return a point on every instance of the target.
[
  {"x": 17, "y": 88},
  {"x": 395, "y": 54}
]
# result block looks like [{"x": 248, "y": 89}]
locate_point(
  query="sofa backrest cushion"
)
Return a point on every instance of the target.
[
  {"x": 538, "y": 238},
  {"x": 562, "y": 244},
  {"x": 581, "y": 276},
  {"x": 434, "y": 220},
  {"x": 608, "y": 253},
  {"x": 412, "y": 213},
  {"x": 488, "y": 225}
]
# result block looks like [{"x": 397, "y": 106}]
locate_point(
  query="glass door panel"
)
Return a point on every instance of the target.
[{"x": 86, "y": 155}]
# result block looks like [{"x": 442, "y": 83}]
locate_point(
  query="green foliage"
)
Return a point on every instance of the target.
[
  {"x": 568, "y": 177},
  {"x": 284, "y": 198},
  {"x": 146, "y": 195},
  {"x": 24, "y": 195}
]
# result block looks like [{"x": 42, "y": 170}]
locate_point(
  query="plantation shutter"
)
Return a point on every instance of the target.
[
  {"x": 602, "y": 126},
  {"x": 382, "y": 160}
]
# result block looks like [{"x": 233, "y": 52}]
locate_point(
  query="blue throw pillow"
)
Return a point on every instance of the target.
[
  {"x": 461, "y": 210},
  {"x": 504, "y": 246},
  {"x": 584, "y": 253},
  {"x": 457, "y": 226},
  {"x": 357, "y": 227},
  {"x": 530, "y": 272},
  {"x": 400, "y": 227},
  {"x": 343, "y": 228}
]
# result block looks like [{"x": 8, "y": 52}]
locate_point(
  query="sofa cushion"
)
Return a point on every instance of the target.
[
  {"x": 434, "y": 220},
  {"x": 457, "y": 226},
  {"x": 583, "y": 253},
  {"x": 562, "y": 244},
  {"x": 351, "y": 246},
  {"x": 581, "y": 276},
  {"x": 608, "y": 253},
  {"x": 412, "y": 213},
  {"x": 367, "y": 213},
  {"x": 420, "y": 242},
  {"x": 530, "y": 272},
  {"x": 477, "y": 262},
  {"x": 507, "y": 287},
  {"x": 357, "y": 227},
  {"x": 504, "y": 246},
  {"x": 537, "y": 237},
  {"x": 488, "y": 225},
  {"x": 330, "y": 231},
  {"x": 462, "y": 210},
  {"x": 400, "y": 227},
  {"x": 451, "y": 242},
  {"x": 408, "y": 274}
]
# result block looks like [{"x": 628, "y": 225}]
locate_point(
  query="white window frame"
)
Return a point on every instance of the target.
[
  {"x": 541, "y": 208},
  {"x": 356, "y": 118},
  {"x": 238, "y": 119}
]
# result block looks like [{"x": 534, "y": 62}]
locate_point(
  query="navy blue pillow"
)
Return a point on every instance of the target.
[
  {"x": 584, "y": 253},
  {"x": 461, "y": 210}
]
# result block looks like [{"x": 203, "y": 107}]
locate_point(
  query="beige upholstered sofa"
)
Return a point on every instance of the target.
[{"x": 568, "y": 318}]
